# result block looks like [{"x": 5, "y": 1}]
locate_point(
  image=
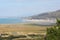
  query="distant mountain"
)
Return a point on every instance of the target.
[
  {"x": 51, "y": 16},
  {"x": 54, "y": 14}
]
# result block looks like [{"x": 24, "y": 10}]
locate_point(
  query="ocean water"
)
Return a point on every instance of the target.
[
  {"x": 19, "y": 20},
  {"x": 10, "y": 20}
]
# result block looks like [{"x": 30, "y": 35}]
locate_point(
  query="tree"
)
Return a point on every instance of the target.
[{"x": 53, "y": 33}]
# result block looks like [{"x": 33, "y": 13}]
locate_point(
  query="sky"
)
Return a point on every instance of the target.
[{"x": 22, "y": 8}]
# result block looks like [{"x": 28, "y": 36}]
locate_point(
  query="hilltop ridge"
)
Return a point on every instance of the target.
[{"x": 53, "y": 14}]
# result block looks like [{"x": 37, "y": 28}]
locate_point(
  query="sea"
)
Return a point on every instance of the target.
[
  {"x": 10, "y": 20},
  {"x": 19, "y": 20}
]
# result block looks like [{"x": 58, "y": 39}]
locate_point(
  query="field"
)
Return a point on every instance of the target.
[{"x": 22, "y": 28}]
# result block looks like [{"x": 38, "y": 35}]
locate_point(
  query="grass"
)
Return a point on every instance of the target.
[
  {"x": 22, "y": 28},
  {"x": 25, "y": 29}
]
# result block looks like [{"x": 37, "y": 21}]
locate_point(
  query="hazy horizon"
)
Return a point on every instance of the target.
[{"x": 21, "y": 8}]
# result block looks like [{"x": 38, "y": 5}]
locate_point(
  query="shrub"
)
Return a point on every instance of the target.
[{"x": 53, "y": 33}]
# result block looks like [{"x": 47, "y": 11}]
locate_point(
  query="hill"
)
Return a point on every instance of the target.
[{"x": 54, "y": 14}]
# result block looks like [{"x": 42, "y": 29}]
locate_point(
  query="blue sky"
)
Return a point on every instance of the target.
[{"x": 20, "y": 8}]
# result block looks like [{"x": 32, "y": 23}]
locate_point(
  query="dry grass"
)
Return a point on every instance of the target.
[{"x": 22, "y": 28}]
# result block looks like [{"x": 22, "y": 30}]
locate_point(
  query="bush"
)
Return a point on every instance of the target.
[{"x": 53, "y": 33}]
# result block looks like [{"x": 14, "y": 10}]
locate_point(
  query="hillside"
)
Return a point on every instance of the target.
[
  {"x": 54, "y": 14},
  {"x": 48, "y": 18}
]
